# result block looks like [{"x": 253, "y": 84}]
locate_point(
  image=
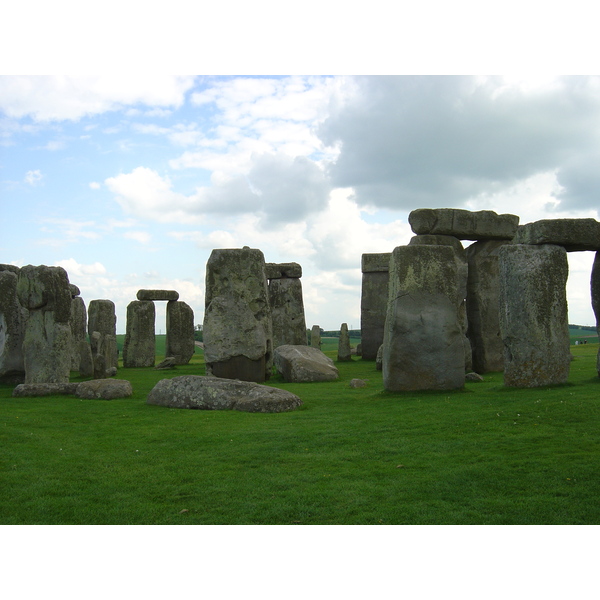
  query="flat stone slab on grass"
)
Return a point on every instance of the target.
[
  {"x": 574, "y": 235},
  {"x": 301, "y": 364},
  {"x": 463, "y": 224},
  {"x": 215, "y": 393},
  {"x": 32, "y": 390},
  {"x": 104, "y": 389}
]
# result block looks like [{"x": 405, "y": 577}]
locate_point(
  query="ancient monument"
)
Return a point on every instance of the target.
[
  {"x": 287, "y": 305},
  {"x": 237, "y": 331},
  {"x": 373, "y": 303},
  {"x": 102, "y": 330},
  {"x": 315, "y": 337},
  {"x": 12, "y": 327},
  {"x": 344, "y": 351}
]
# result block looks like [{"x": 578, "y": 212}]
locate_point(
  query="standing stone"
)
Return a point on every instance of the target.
[
  {"x": 86, "y": 359},
  {"x": 237, "y": 331},
  {"x": 180, "y": 332},
  {"x": 373, "y": 302},
  {"x": 78, "y": 323},
  {"x": 102, "y": 318},
  {"x": 139, "y": 347},
  {"x": 424, "y": 341},
  {"x": 344, "y": 353},
  {"x": 315, "y": 337},
  {"x": 287, "y": 309},
  {"x": 45, "y": 292},
  {"x": 595, "y": 289},
  {"x": 533, "y": 315},
  {"x": 483, "y": 306},
  {"x": 12, "y": 329}
]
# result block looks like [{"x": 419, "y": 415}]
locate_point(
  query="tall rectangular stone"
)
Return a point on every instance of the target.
[
  {"x": 139, "y": 347},
  {"x": 287, "y": 310},
  {"x": 533, "y": 315},
  {"x": 180, "y": 332},
  {"x": 373, "y": 302}
]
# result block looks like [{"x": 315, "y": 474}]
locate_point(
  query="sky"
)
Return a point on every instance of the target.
[{"x": 129, "y": 182}]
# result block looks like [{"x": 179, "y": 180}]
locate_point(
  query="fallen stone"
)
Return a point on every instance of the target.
[
  {"x": 301, "y": 364},
  {"x": 158, "y": 295},
  {"x": 473, "y": 377},
  {"x": 30, "y": 390},
  {"x": 168, "y": 363},
  {"x": 104, "y": 389},
  {"x": 213, "y": 393},
  {"x": 463, "y": 224},
  {"x": 358, "y": 383},
  {"x": 572, "y": 234}
]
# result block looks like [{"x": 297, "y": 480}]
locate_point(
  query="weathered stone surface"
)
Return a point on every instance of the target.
[
  {"x": 159, "y": 295},
  {"x": 463, "y": 224},
  {"x": 572, "y": 234},
  {"x": 300, "y": 364},
  {"x": 45, "y": 292},
  {"x": 139, "y": 347},
  {"x": 424, "y": 347},
  {"x": 180, "y": 332},
  {"x": 31, "y": 390},
  {"x": 358, "y": 383},
  {"x": 373, "y": 302},
  {"x": 237, "y": 319},
  {"x": 75, "y": 291},
  {"x": 315, "y": 337},
  {"x": 344, "y": 353},
  {"x": 86, "y": 359},
  {"x": 376, "y": 262},
  {"x": 104, "y": 389},
  {"x": 211, "y": 393},
  {"x": 595, "y": 290},
  {"x": 102, "y": 318},
  {"x": 78, "y": 324},
  {"x": 12, "y": 328},
  {"x": 437, "y": 240},
  {"x": 283, "y": 270},
  {"x": 483, "y": 306},
  {"x": 379, "y": 358},
  {"x": 473, "y": 377},
  {"x": 287, "y": 312},
  {"x": 533, "y": 315},
  {"x": 168, "y": 363}
]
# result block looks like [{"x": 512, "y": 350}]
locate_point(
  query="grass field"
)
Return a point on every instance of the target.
[{"x": 484, "y": 455}]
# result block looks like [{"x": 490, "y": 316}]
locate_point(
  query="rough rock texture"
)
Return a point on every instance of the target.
[
  {"x": 283, "y": 270},
  {"x": 102, "y": 318},
  {"x": 533, "y": 315},
  {"x": 211, "y": 393},
  {"x": 483, "y": 306},
  {"x": 379, "y": 359},
  {"x": 424, "y": 347},
  {"x": 104, "y": 389},
  {"x": 45, "y": 292},
  {"x": 31, "y": 390},
  {"x": 287, "y": 311},
  {"x": 180, "y": 332},
  {"x": 151, "y": 295},
  {"x": 344, "y": 352},
  {"x": 168, "y": 363},
  {"x": 373, "y": 302},
  {"x": 238, "y": 330},
  {"x": 463, "y": 224},
  {"x": 78, "y": 323},
  {"x": 139, "y": 347},
  {"x": 595, "y": 290},
  {"x": 572, "y": 234},
  {"x": 86, "y": 359},
  {"x": 12, "y": 328},
  {"x": 437, "y": 240},
  {"x": 358, "y": 383},
  {"x": 301, "y": 364},
  {"x": 315, "y": 337}
]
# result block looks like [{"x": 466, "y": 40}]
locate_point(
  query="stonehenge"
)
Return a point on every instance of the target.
[{"x": 373, "y": 302}]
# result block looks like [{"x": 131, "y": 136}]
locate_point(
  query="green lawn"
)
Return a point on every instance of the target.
[{"x": 485, "y": 455}]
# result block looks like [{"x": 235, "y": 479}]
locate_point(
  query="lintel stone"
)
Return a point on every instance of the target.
[
  {"x": 573, "y": 235},
  {"x": 166, "y": 295}
]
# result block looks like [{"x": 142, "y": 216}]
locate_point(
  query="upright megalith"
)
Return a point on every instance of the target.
[
  {"x": 463, "y": 224},
  {"x": 103, "y": 319},
  {"x": 315, "y": 337},
  {"x": 287, "y": 304},
  {"x": 78, "y": 324},
  {"x": 483, "y": 305},
  {"x": 13, "y": 318},
  {"x": 237, "y": 330},
  {"x": 595, "y": 290},
  {"x": 373, "y": 302},
  {"x": 44, "y": 292},
  {"x": 533, "y": 315},
  {"x": 344, "y": 351},
  {"x": 423, "y": 345},
  {"x": 139, "y": 346},
  {"x": 180, "y": 332}
]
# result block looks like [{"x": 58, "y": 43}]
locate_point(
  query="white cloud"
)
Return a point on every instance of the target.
[
  {"x": 94, "y": 185},
  {"x": 143, "y": 237},
  {"x": 75, "y": 269},
  {"x": 53, "y": 98},
  {"x": 33, "y": 177}
]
